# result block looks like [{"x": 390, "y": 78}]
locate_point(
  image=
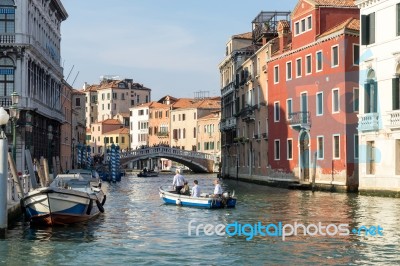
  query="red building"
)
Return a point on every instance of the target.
[{"x": 313, "y": 94}]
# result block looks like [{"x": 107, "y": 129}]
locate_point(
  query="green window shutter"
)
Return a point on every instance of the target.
[
  {"x": 364, "y": 30},
  {"x": 395, "y": 94},
  {"x": 367, "y": 101}
]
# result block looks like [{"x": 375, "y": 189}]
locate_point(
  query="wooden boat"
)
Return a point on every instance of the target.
[
  {"x": 147, "y": 174},
  {"x": 171, "y": 197},
  {"x": 70, "y": 198}
]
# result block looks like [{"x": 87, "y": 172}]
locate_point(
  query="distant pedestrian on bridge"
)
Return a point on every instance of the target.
[{"x": 178, "y": 182}]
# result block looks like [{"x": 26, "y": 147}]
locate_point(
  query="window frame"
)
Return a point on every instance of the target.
[
  {"x": 317, "y": 113},
  {"x": 316, "y": 61},
  {"x": 334, "y": 157},
  {"x": 298, "y": 67},
  {"x": 333, "y": 65},
  {"x": 289, "y": 153},
  {"x": 287, "y": 70},
  {"x": 308, "y": 64},
  {"x": 277, "y": 149},
  {"x": 319, "y": 150},
  {"x": 333, "y": 101},
  {"x": 277, "y": 116},
  {"x": 276, "y": 74}
]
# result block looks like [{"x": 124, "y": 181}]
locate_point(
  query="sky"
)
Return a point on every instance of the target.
[{"x": 172, "y": 47}]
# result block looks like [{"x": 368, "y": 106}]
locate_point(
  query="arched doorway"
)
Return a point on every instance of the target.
[{"x": 304, "y": 150}]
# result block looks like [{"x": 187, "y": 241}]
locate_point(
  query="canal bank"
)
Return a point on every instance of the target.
[{"x": 294, "y": 183}]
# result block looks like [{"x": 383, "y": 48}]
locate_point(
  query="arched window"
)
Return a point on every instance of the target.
[
  {"x": 371, "y": 93},
  {"x": 6, "y": 76},
  {"x": 7, "y": 16}
]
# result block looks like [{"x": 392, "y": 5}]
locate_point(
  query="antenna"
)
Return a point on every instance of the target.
[
  {"x": 70, "y": 72},
  {"x": 72, "y": 85}
]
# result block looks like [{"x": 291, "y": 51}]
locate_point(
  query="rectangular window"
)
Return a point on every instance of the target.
[
  {"x": 320, "y": 147},
  {"x": 335, "y": 56},
  {"x": 318, "y": 61},
  {"x": 356, "y": 54},
  {"x": 297, "y": 28},
  {"x": 303, "y": 25},
  {"x": 398, "y": 19},
  {"x": 320, "y": 103},
  {"x": 308, "y": 64},
  {"x": 335, "y": 101},
  {"x": 336, "y": 146},
  {"x": 298, "y": 67},
  {"x": 309, "y": 23},
  {"x": 368, "y": 29},
  {"x": 356, "y": 100},
  {"x": 276, "y": 74},
  {"x": 356, "y": 146},
  {"x": 289, "y": 109},
  {"x": 288, "y": 70},
  {"x": 289, "y": 149},
  {"x": 277, "y": 149},
  {"x": 276, "y": 112},
  {"x": 396, "y": 93}
]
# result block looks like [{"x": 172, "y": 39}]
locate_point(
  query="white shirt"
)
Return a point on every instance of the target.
[
  {"x": 179, "y": 180},
  {"x": 218, "y": 189},
  {"x": 196, "y": 191}
]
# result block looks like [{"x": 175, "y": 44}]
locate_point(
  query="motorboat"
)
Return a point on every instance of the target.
[
  {"x": 204, "y": 201},
  {"x": 149, "y": 173},
  {"x": 70, "y": 198}
]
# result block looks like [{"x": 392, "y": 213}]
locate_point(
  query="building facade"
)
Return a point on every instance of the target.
[
  {"x": 139, "y": 126},
  {"x": 379, "y": 110},
  {"x": 30, "y": 65},
  {"x": 96, "y": 135},
  {"x": 313, "y": 95}
]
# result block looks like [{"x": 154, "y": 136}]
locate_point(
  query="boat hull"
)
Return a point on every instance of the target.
[
  {"x": 55, "y": 206},
  {"x": 200, "y": 202}
]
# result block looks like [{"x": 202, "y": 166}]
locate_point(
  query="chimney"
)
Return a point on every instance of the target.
[
  {"x": 283, "y": 34},
  {"x": 85, "y": 85}
]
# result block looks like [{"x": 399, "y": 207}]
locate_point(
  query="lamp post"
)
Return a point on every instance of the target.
[
  {"x": 73, "y": 153},
  {"x": 14, "y": 115},
  {"x": 3, "y": 173}
]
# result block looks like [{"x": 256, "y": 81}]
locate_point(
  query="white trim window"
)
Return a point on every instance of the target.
[
  {"x": 335, "y": 56},
  {"x": 276, "y": 74},
  {"x": 289, "y": 108},
  {"x": 277, "y": 112},
  {"x": 318, "y": 61},
  {"x": 298, "y": 67},
  {"x": 335, "y": 101},
  {"x": 320, "y": 103},
  {"x": 320, "y": 147},
  {"x": 336, "y": 146},
  {"x": 289, "y": 70},
  {"x": 308, "y": 64},
  {"x": 289, "y": 149},
  {"x": 356, "y": 54},
  {"x": 356, "y": 149},
  {"x": 277, "y": 149}
]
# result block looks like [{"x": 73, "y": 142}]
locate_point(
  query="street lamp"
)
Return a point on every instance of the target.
[
  {"x": 73, "y": 153},
  {"x": 14, "y": 115}
]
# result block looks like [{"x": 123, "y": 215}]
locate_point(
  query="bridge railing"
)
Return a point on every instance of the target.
[{"x": 166, "y": 150}]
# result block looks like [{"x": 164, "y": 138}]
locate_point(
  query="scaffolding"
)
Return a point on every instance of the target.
[{"x": 265, "y": 25}]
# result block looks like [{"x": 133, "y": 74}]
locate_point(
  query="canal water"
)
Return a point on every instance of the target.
[{"x": 138, "y": 229}]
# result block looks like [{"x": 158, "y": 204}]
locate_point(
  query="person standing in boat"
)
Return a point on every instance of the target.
[
  {"x": 195, "y": 189},
  {"x": 217, "y": 189},
  {"x": 178, "y": 182}
]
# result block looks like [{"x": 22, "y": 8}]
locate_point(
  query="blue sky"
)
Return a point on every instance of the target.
[{"x": 170, "y": 46}]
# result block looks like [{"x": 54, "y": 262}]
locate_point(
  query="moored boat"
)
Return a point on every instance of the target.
[
  {"x": 70, "y": 198},
  {"x": 171, "y": 197},
  {"x": 149, "y": 173}
]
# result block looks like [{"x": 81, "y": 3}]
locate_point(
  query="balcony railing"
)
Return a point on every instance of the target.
[
  {"x": 5, "y": 101},
  {"x": 368, "y": 122},
  {"x": 300, "y": 119},
  {"x": 247, "y": 114},
  {"x": 162, "y": 134},
  {"x": 228, "y": 123},
  {"x": 265, "y": 136},
  {"x": 227, "y": 89},
  {"x": 394, "y": 119}
]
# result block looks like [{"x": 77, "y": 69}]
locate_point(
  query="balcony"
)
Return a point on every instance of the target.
[
  {"x": 247, "y": 114},
  {"x": 227, "y": 123},
  {"x": 230, "y": 88},
  {"x": 265, "y": 136},
  {"x": 5, "y": 101},
  {"x": 393, "y": 121},
  {"x": 299, "y": 120},
  {"x": 368, "y": 122},
  {"x": 162, "y": 134}
]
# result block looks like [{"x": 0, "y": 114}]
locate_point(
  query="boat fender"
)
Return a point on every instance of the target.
[
  {"x": 90, "y": 207},
  {"x": 104, "y": 200},
  {"x": 178, "y": 202},
  {"x": 101, "y": 208}
]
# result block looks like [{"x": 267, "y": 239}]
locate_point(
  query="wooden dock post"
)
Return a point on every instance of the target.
[{"x": 15, "y": 176}]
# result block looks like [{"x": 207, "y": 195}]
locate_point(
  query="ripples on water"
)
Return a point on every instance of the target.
[{"x": 137, "y": 228}]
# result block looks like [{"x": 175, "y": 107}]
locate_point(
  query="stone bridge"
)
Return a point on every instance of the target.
[{"x": 198, "y": 162}]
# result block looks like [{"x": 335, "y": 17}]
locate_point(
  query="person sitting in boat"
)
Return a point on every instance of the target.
[
  {"x": 185, "y": 190},
  {"x": 195, "y": 189},
  {"x": 217, "y": 189},
  {"x": 178, "y": 182}
]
